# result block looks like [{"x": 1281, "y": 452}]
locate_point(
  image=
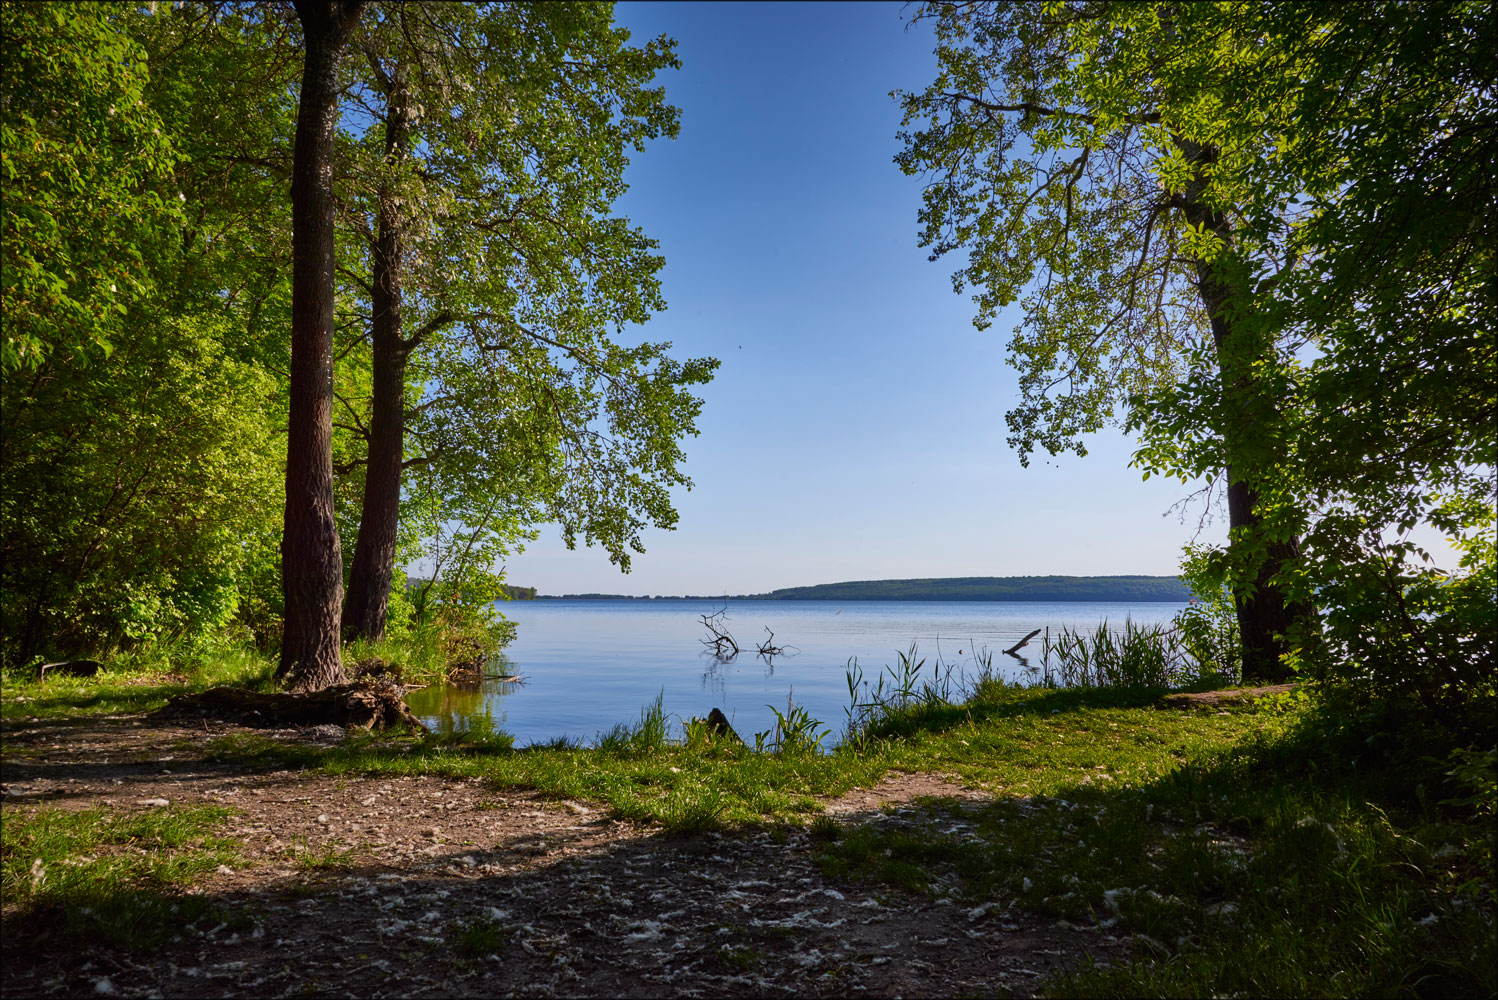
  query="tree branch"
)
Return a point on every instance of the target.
[{"x": 1030, "y": 108}]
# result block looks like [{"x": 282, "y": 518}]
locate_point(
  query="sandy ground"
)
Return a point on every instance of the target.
[{"x": 589, "y": 906}]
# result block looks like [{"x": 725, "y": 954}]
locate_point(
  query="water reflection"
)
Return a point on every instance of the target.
[
  {"x": 713, "y": 678},
  {"x": 473, "y": 707}
]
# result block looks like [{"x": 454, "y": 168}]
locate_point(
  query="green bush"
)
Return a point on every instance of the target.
[{"x": 1208, "y": 629}]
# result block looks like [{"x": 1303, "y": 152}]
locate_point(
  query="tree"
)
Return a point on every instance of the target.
[
  {"x": 1387, "y": 131},
  {"x": 492, "y": 270},
  {"x": 311, "y": 557},
  {"x": 1086, "y": 144}
]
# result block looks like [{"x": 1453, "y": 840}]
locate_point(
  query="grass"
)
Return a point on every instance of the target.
[
  {"x": 1015, "y": 741},
  {"x": 132, "y": 683},
  {"x": 143, "y": 680},
  {"x": 479, "y": 938},
  {"x": 1264, "y": 865},
  {"x": 323, "y": 858},
  {"x": 1257, "y": 849},
  {"x": 91, "y": 875},
  {"x": 686, "y": 789}
]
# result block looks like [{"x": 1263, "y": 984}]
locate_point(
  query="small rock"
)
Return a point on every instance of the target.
[
  {"x": 105, "y": 987},
  {"x": 158, "y": 803}
]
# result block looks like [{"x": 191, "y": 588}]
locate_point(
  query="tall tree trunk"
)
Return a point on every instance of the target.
[
  {"x": 374, "y": 549},
  {"x": 1265, "y": 617},
  {"x": 311, "y": 559}
]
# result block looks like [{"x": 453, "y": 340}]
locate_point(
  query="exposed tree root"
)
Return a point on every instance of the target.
[{"x": 364, "y": 704}]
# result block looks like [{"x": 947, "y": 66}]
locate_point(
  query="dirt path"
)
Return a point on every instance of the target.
[{"x": 588, "y": 905}]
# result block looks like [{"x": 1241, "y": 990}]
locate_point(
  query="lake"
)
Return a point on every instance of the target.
[{"x": 588, "y": 665}]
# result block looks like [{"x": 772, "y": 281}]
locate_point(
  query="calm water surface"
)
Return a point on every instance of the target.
[{"x": 591, "y": 664}]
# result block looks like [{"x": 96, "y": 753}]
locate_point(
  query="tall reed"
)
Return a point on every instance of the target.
[{"x": 1137, "y": 656}]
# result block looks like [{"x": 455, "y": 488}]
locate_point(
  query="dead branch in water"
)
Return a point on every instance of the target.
[
  {"x": 1012, "y": 650},
  {"x": 722, "y": 643},
  {"x": 768, "y": 647}
]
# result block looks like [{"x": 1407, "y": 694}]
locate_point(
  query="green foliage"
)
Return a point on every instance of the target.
[
  {"x": 146, "y": 153},
  {"x": 1208, "y": 625},
  {"x": 1273, "y": 861},
  {"x": 86, "y": 168},
  {"x": 454, "y": 610},
  {"x": 141, "y": 465},
  {"x": 648, "y": 736},
  {"x": 327, "y": 856},
  {"x": 139, "y": 680},
  {"x": 1055, "y": 143},
  {"x": 480, "y": 938},
  {"x": 1387, "y": 297},
  {"x": 1475, "y": 772},
  {"x": 1415, "y": 637},
  {"x": 134, "y": 491},
  {"x": 524, "y": 403},
  {"x": 694, "y": 810},
  {"x": 796, "y": 732},
  {"x": 1311, "y": 184},
  {"x": 1139, "y": 656}
]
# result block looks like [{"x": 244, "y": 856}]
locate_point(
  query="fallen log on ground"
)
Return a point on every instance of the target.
[
  {"x": 68, "y": 668},
  {"x": 365, "y": 704}
]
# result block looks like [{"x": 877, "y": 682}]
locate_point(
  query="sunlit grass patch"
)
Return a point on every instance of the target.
[
  {"x": 95, "y": 875},
  {"x": 644, "y": 778},
  {"x": 132, "y": 682}
]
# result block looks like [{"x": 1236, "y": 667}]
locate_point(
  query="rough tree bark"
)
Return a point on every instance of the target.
[
  {"x": 373, "y": 567},
  {"x": 1265, "y": 617},
  {"x": 311, "y": 558}
]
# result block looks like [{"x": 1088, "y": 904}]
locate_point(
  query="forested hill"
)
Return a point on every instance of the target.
[
  {"x": 956, "y": 588},
  {"x": 994, "y": 588}
]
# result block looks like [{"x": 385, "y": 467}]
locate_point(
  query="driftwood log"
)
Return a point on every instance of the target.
[
  {"x": 68, "y": 668},
  {"x": 365, "y": 704},
  {"x": 1012, "y": 650}
]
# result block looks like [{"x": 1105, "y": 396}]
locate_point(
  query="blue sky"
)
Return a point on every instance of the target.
[{"x": 856, "y": 427}]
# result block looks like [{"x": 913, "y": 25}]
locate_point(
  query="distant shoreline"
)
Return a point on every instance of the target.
[{"x": 1136, "y": 589}]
